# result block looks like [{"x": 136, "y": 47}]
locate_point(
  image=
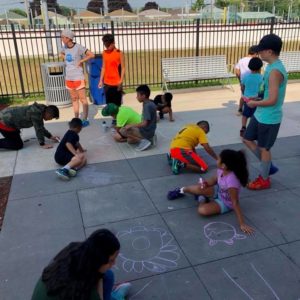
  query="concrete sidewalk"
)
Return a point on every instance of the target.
[
  {"x": 217, "y": 105},
  {"x": 168, "y": 251}
]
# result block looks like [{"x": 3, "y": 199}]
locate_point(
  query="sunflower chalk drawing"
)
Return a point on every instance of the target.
[{"x": 147, "y": 248}]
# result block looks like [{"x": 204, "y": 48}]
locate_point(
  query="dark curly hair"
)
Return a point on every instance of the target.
[
  {"x": 74, "y": 271},
  {"x": 236, "y": 162}
]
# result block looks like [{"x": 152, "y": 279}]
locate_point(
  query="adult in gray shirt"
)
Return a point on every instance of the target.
[{"x": 144, "y": 132}]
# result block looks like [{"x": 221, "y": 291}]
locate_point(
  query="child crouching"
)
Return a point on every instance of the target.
[{"x": 69, "y": 152}]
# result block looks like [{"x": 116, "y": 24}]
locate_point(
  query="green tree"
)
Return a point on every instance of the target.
[
  {"x": 35, "y": 7},
  {"x": 120, "y": 4},
  {"x": 225, "y": 3},
  {"x": 67, "y": 11},
  {"x": 198, "y": 4},
  {"x": 19, "y": 11},
  {"x": 150, "y": 5},
  {"x": 96, "y": 6}
]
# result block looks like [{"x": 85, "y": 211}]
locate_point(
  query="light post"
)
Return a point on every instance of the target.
[{"x": 27, "y": 11}]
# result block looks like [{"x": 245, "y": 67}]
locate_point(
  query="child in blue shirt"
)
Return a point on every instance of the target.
[{"x": 251, "y": 85}]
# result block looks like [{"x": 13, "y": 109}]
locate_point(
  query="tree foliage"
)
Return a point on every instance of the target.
[
  {"x": 35, "y": 7},
  {"x": 96, "y": 6},
  {"x": 67, "y": 11},
  {"x": 19, "y": 11},
  {"x": 198, "y": 4},
  {"x": 118, "y": 4},
  {"x": 150, "y": 5}
]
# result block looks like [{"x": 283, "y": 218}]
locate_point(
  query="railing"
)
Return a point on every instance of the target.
[{"x": 22, "y": 51}]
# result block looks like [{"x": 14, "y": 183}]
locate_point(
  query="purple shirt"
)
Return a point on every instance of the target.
[{"x": 224, "y": 183}]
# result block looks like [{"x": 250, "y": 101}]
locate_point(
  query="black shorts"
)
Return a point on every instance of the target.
[
  {"x": 63, "y": 158},
  {"x": 113, "y": 94},
  {"x": 264, "y": 134}
]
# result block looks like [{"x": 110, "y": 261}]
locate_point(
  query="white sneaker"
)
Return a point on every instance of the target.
[
  {"x": 154, "y": 140},
  {"x": 143, "y": 145}
]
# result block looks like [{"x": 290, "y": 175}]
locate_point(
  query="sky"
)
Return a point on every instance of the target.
[{"x": 7, "y": 4}]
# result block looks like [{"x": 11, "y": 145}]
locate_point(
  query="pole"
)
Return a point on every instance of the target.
[
  {"x": 18, "y": 60},
  {"x": 7, "y": 22},
  {"x": 27, "y": 12},
  {"x": 44, "y": 10}
]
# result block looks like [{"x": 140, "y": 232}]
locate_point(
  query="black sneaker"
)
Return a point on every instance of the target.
[{"x": 175, "y": 194}]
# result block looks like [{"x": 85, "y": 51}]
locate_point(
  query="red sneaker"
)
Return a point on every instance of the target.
[{"x": 259, "y": 184}]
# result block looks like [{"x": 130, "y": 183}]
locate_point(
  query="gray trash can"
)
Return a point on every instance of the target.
[{"x": 53, "y": 74}]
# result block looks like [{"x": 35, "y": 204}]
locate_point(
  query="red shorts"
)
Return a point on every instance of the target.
[
  {"x": 75, "y": 84},
  {"x": 6, "y": 128},
  {"x": 189, "y": 157}
]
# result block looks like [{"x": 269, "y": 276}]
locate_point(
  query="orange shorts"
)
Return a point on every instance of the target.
[
  {"x": 75, "y": 84},
  {"x": 189, "y": 157}
]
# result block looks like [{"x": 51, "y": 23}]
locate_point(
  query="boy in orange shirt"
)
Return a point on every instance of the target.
[{"x": 112, "y": 72}]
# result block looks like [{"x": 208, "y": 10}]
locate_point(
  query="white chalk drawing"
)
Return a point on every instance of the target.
[
  {"x": 148, "y": 248},
  {"x": 103, "y": 140},
  {"x": 260, "y": 276},
  {"x": 91, "y": 174},
  {"x": 217, "y": 232},
  {"x": 265, "y": 281},
  {"x": 228, "y": 275},
  {"x": 137, "y": 293}
]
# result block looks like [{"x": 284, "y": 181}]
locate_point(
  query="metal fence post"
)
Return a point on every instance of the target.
[
  {"x": 18, "y": 59},
  {"x": 112, "y": 27},
  {"x": 197, "y": 36},
  {"x": 272, "y": 24}
]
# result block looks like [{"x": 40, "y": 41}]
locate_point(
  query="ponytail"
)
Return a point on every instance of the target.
[{"x": 236, "y": 162}]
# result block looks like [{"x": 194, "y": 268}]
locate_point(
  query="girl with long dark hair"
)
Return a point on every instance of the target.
[
  {"x": 81, "y": 271},
  {"x": 220, "y": 194}
]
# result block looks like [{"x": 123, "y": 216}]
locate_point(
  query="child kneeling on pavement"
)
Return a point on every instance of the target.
[
  {"x": 69, "y": 152},
  {"x": 143, "y": 133}
]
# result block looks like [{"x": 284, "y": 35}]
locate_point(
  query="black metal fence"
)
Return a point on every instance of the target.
[{"x": 22, "y": 51}]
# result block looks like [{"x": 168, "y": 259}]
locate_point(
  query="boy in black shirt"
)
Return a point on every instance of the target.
[
  {"x": 69, "y": 152},
  {"x": 163, "y": 105}
]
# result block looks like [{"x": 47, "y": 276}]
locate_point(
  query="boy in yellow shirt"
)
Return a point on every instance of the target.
[{"x": 182, "y": 149}]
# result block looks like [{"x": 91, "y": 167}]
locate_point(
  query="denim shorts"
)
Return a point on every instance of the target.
[
  {"x": 223, "y": 207},
  {"x": 248, "y": 111}
]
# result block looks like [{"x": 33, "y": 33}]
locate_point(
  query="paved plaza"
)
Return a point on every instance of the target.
[{"x": 167, "y": 250}]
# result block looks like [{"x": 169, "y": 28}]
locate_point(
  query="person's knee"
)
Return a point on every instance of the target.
[
  {"x": 246, "y": 142},
  {"x": 83, "y": 100},
  {"x": 203, "y": 211},
  {"x": 18, "y": 145}
]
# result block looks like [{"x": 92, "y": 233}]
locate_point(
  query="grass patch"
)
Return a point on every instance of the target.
[{"x": 19, "y": 100}]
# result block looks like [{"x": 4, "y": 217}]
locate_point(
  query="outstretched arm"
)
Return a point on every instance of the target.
[
  {"x": 210, "y": 151},
  {"x": 233, "y": 193}
]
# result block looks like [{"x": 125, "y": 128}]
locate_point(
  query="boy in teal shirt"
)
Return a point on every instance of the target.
[{"x": 265, "y": 123}]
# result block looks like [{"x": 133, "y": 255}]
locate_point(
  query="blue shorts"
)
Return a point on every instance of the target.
[
  {"x": 223, "y": 207},
  {"x": 248, "y": 111}
]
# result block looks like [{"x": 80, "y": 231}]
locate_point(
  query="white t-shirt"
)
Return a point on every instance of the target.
[{"x": 242, "y": 65}]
